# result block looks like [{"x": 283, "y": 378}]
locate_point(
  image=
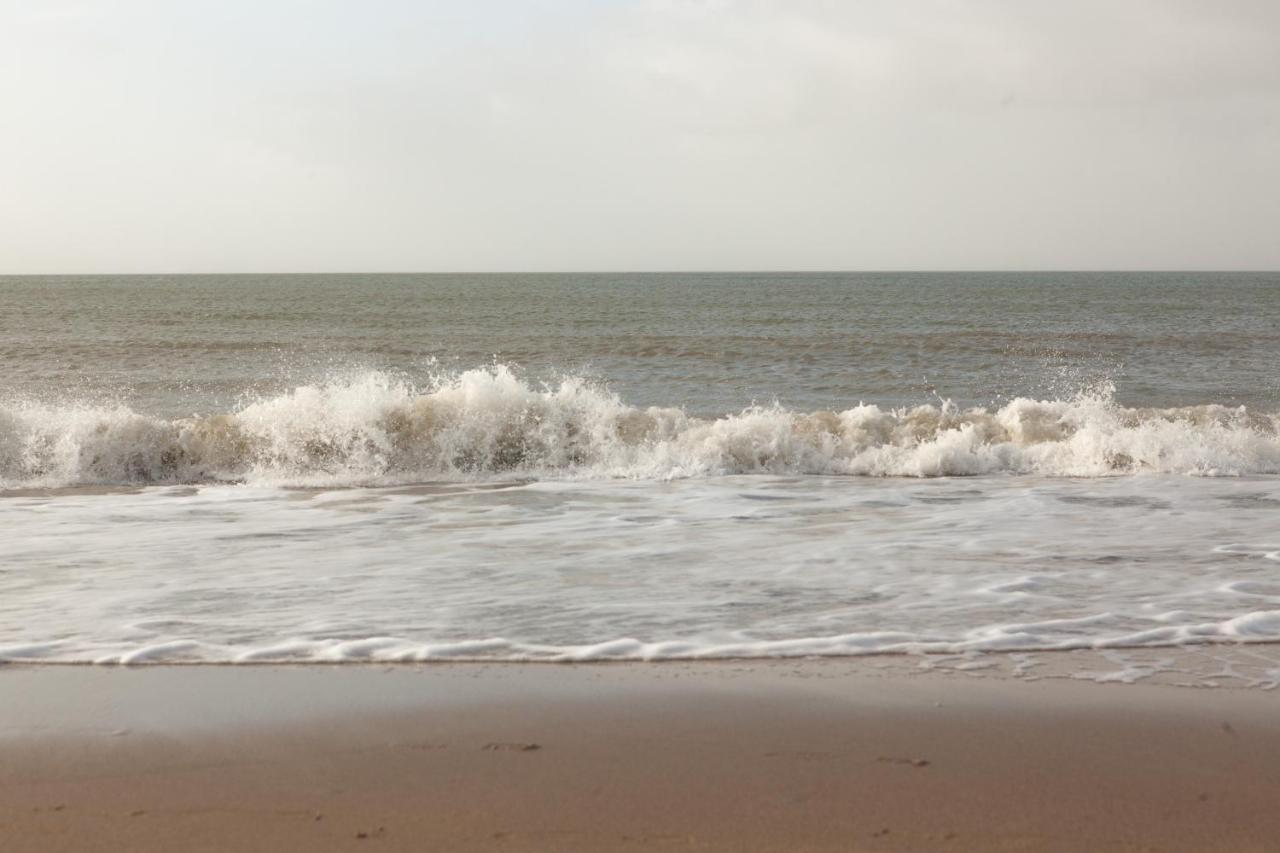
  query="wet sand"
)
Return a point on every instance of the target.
[{"x": 787, "y": 756}]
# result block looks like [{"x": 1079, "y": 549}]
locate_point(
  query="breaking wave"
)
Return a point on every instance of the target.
[{"x": 375, "y": 428}]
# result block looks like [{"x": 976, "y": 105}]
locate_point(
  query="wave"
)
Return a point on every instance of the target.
[
  {"x": 377, "y": 428},
  {"x": 1104, "y": 631}
]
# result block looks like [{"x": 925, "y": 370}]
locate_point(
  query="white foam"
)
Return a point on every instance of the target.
[
  {"x": 757, "y": 566},
  {"x": 372, "y": 428},
  {"x": 401, "y": 650}
]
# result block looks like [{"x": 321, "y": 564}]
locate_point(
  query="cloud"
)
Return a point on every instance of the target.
[{"x": 664, "y": 134}]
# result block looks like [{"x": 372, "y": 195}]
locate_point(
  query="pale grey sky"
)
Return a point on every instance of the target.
[{"x": 316, "y": 135}]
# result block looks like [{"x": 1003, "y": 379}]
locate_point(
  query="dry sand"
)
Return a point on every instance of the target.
[{"x": 821, "y": 755}]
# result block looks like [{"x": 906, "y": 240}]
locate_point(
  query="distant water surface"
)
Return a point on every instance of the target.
[{"x": 712, "y": 343}]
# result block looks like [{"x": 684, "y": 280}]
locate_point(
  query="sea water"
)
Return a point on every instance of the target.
[{"x": 575, "y": 467}]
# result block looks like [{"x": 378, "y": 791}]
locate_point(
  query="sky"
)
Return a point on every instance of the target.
[{"x": 488, "y": 135}]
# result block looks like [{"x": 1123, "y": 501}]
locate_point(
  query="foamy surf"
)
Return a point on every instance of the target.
[
  {"x": 1256, "y": 627},
  {"x": 757, "y": 566},
  {"x": 377, "y": 428}
]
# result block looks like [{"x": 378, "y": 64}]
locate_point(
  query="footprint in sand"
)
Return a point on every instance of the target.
[{"x": 512, "y": 747}]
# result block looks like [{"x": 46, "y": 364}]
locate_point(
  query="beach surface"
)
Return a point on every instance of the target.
[{"x": 867, "y": 754}]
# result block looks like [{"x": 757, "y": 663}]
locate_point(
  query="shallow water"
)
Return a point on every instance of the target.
[{"x": 718, "y": 567}]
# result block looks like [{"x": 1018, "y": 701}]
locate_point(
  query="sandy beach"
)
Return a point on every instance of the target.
[{"x": 871, "y": 754}]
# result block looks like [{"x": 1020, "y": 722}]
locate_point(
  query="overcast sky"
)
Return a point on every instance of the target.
[{"x": 317, "y": 135}]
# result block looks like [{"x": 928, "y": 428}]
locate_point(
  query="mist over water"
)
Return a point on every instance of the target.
[{"x": 610, "y": 466}]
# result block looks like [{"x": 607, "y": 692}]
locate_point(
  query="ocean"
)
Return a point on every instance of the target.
[{"x": 257, "y": 468}]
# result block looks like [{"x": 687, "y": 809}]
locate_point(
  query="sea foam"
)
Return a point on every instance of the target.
[
  {"x": 624, "y": 569},
  {"x": 377, "y": 428}
]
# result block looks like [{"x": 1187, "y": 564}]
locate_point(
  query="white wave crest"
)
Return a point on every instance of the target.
[{"x": 376, "y": 428}]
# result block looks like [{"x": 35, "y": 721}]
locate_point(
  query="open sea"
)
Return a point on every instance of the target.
[{"x": 615, "y": 466}]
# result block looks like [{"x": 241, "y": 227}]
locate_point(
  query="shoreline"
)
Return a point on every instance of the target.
[
  {"x": 1247, "y": 663},
  {"x": 761, "y": 755}
]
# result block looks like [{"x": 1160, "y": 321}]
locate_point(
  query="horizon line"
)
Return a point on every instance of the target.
[{"x": 922, "y": 271}]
